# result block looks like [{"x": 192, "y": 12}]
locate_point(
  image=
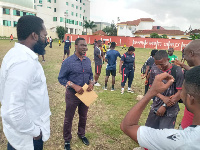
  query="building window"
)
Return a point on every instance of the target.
[
  {"x": 39, "y": 5},
  {"x": 54, "y": 1},
  {"x": 76, "y": 14},
  {"x": 49, "y": 1},
  {"x": 76, "y": 22},
  {"x": 61, "y": 19},
  {"x": 80, "y": 8},
  {"x": 67, "y": 3},
  {"x": 14, "y": 23},
  {"x": 54, "y": 9},
  {"x": 72, "y": 13},
  {"x": 21, "y": 13},
  {"x": 54, "y": 18},
  {"x": 84, "y": 11},
  {"x": 40, "y": 1},
  {"x": 16, "y": 12},
  {"x": 73, "y": 5},
  {"x": 80, "y": 23},
  {"x": 66, "y": 11},
  {"x": 66, "y": 20},
  {"x": 80, "y": 15},
  {"x": 76, "y": 7},
  {"x": 80, "y": 1},
  {"x": 49, "y": 7},
  {"x": 6, "y": 11},
  {"x": 83, "y": 3},
  {"x": 71, "y": 22},
  {"x": 6, "y": 23}
]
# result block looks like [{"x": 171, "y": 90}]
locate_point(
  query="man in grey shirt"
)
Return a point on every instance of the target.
[{"x": 98, "y": 61}]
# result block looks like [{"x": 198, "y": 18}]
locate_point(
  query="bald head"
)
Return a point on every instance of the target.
[
  {"x": 194, "y": 46},
  {"x": 192, "y": 53}
]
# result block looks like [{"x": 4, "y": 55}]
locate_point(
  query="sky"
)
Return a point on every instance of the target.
[{"x": 180, "y": 13}]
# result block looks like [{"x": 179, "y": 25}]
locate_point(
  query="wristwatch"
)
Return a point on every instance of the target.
[
  {"x": 69, "y": 83},
  {"x": 164, "y": 105}
]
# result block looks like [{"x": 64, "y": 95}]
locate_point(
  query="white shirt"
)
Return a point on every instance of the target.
[
  {"x": 169, "y": 139},
  {"x": 24, "y": 98}
]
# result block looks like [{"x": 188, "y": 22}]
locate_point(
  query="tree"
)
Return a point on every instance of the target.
[
  {"x": 164, "y": 36},
  {"x": 61, "y": 32},
  {"x": 88, "y": 24},
  {"x": 112, "y": 30},
  {"x": 154, "y": 35}
]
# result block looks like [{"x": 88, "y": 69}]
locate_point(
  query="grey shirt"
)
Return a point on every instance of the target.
[{"x": 97, "y": 52}]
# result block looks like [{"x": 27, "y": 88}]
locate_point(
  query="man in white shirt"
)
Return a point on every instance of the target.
[
  {"x": 167, "y": 139},
  {"x": 23, "y": 91}
]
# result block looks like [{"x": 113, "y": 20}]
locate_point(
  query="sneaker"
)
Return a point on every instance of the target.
[
  {"x": 130, "y": 91},
  {"x": 67, "y": 146},
  {"x": 105, "y": 88},
  {"x": 122, "y": 91},
  {"x": 43, "y": 60},
  {"x": 112, "y": 89},
  {"x": 97, "y": 84}
]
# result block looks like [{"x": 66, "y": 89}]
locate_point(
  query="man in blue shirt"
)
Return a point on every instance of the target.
[
  {"x": 111, "y": 57},
  {"x": 66, "y": 47},
  {"x": 76, "y": 70}
]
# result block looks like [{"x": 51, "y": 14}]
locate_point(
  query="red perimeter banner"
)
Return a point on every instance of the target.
[{"x": 152, "y": 43}]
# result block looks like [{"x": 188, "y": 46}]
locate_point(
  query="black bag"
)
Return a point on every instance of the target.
[{"x": 173, "y": 73}]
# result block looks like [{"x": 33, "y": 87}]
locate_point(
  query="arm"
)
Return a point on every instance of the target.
[
  {"x": 146, "y": 73},
  {"x": 181, "y": 64},
  {"x": 120, "y": 66},
  {"x": 91, "y": 82},
  {"x": 130, "y": 123},
  {"x": 63, "y": 78},
  {"x": 13, "y": 110}
]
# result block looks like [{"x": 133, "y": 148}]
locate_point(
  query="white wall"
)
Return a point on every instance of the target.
[{"x": 145, "y": 25}]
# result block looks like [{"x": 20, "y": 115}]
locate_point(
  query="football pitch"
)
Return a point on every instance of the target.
[{"x": 104, "y": 115}]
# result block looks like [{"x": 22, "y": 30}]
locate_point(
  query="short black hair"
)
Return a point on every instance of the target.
[
  {"x": 153, "y": 52},
  {"x": 77, "y": 40},
  {"x": 131, "y": 48},
  {"x": 171, "y": 49},
  {"x": 99, "y": 41},
  {"x": 113, "y": 45},
  {"x": 192, "y": 82},
  {"x": 27, "y": 25},
  {"x": 161, "y": 54}
]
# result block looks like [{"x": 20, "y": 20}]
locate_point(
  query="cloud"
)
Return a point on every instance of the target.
[{"x": 180, "y": 13}]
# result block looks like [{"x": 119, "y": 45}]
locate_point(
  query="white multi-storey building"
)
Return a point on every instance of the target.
[{"x": 67, "y": 13}]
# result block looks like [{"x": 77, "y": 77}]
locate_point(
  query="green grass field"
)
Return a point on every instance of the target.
[{"x": 105, "y": 114}]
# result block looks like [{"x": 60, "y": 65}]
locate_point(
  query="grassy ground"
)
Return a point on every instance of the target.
[{"x": 105, "y": 114}]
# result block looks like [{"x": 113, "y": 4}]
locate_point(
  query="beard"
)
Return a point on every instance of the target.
[{"x": 39, "y": 47}]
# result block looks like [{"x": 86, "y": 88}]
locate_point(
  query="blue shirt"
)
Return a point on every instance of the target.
[
  {"x": 111, "y": 56},
  {"x": 67, "y": 44},
  {"x": 128, "y": 60},
  {"x": 77, "y": 71}
]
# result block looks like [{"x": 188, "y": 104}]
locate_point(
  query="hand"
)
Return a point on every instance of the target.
[
  {"x": 168, "y": 101},
  {"x": 78, "y": 89},
  {"x": 158, "y": 86},
  {"x": 177, "y": 62},
  {"x": 38, "y": 137},
  {"x": 146, "y": 82},
  {"x": 144, "y": 76},
  {"x": 90, "y": 87},
  {"x": 120, "y": 71},
  {"x": 161, "y": 111}
]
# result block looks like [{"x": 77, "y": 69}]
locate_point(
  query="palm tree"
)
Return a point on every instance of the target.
[{"x": 88, "y": 24}]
